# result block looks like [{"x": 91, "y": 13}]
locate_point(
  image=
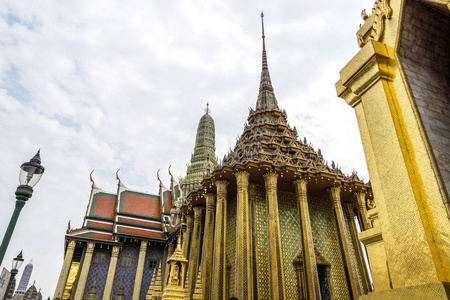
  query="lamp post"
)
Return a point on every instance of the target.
[
  {"x": 17, "y": 262},
  {"x": 30, "y": 174}
]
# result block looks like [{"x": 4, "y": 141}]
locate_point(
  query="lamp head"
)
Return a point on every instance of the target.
[
  {"x": 31, "y": 172},
  {"x": 17, "y": 262}
]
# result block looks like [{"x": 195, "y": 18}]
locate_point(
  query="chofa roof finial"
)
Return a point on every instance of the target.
[
  {"x": 94, "y": 186},
  {"x": 159, "y": 179}
]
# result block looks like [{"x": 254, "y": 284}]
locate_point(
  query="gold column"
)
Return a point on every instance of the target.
[
  {"x": 360, "y": 198},
  {"x": 309, "y": 256},
  {"x": 208, "y": 239},
  {"x": 219, "y": 264},
  {"x": 357, "y": 246},
  {"x": 65, "y": 270},
  {"x": 84, "y": 271},
  {"x": 187, "y": 237},
  {"x": 111, "y": 272},
  {"x": 335, "y": 196},
  {"x": 195, "y": 245},
  {"x": 244, "y": 271},
  {"x": 170, "y": 250},
  {"x": 252, "y": 198},
  {"x": 275, "y": 257},
  {"x": 300, "y": 272},
  {"x": 139, "y": 271}
]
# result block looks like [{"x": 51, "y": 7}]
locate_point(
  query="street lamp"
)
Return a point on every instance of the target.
[
  {"x": 17, "y": 262},
  {"x": 30, "y": 174}
]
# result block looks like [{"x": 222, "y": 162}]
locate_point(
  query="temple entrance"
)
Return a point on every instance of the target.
[
  {"x": 324, "y": 282},
  {"x": 324, "y": 276},
  {"x": 323, "y": 270}
]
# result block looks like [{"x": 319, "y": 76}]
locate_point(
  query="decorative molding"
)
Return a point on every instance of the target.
[{"x": 373, "y": 28}]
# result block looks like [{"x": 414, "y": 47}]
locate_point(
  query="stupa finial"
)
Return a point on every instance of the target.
[
  {"x": 264, "y": 40},
  {"x": 207, "y": 110},
  {"x": 266, "y": 98}
]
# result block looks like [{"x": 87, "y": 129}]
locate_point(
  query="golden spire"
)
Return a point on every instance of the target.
[
  {"x": 264, "y": 64},
  {"x": 266, "y": 97}
]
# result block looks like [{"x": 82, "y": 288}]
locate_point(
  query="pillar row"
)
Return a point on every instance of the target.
[
  {"x": 220, "y": 235},
  {"x": 208, "y": 240},
  {"x": 244, "y": 270},
  {"x": 111, "y": 271},
  {"x": 345, "y": 241},
  {"x": 84, "y": 271},
  {"x": 275, "y": 252},
  {"x": 194, "y": 254},
  {"x": 357, "y": 246},
  {"x": 187, "y": 236},
  {"x": 362, "y": 210},
  {"x": 65, "y": 270},
  {"x": 309, "y": 256},
  {"x": 139, "y": 271}
]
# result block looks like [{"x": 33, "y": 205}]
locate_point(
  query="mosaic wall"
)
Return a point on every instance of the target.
[
  {"x": 231, "y": 242},
  {"x": 98, "y": 271},
  {"x": 325, "y": 235},
  {"x": 261, "y": 245},
  {"x": 154, "y": 252},
  {"x": 326, "y": 238},
  {"x": 290, "y": 240},
  {"x": 126, "y": 274}
]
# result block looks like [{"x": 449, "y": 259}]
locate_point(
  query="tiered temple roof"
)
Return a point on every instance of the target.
[
  {"x": 268, "y": 143},
  {"x": 127, "y": 214}
]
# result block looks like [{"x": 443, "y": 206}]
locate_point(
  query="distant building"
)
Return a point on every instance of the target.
[
  {"x": 23, "y": 283},
  {"x": 32, "y": 293},
  {"x": 4, "y": 279}
]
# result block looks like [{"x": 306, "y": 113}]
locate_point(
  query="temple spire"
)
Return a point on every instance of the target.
[
  {"x": 264, "y": 61},
  {"x": 266, "y": 97}
]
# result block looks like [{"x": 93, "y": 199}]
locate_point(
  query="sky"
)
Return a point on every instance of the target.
[{"x": 103, "y": 85}]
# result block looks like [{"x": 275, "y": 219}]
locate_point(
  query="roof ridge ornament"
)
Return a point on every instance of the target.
[
  {"x": 373, "y": 27},
  {"x": 94, "y": 186},
  {"x": 117, "y": 177}
]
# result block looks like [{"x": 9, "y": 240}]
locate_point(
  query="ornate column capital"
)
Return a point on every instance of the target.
[
  {"x": 71, "y": 245},
  {"x": 270, "y": 179},
  {"x": 242, "y": 179},
  {"x": 210, "y": 201},
  {"x": 335, "y": 195},
  {"x": 190, "y": 220},
  {"x": 90, "y": 248},
  {"x": 300, "y": 185},
  {"x": 221, "y": 185},
  {"x": 143, "y": 246},
  {"x": 349, "y": 206},
  {"x": 115, "y": 251},
  {"x": 198, "y": 210},
  {"x": 360, "y": 198}
]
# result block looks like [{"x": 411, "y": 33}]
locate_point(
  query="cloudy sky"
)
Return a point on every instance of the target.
[{"x": 103, "y": 85}]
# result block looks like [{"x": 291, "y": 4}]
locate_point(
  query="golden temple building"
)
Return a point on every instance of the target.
[
  {"x": 272, "y": 220},
  {"x": 399, "y": 86}
]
